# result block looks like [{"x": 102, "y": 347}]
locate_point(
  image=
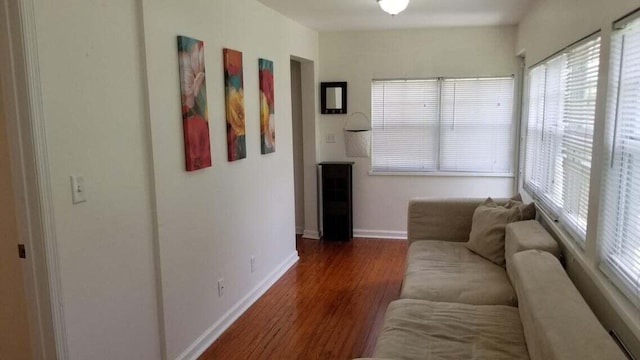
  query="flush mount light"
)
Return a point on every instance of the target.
[{"x": 393, "y": 7}]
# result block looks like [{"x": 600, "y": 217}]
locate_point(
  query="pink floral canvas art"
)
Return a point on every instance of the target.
[
  {"x": 267, "y": 118},
  {"x": 234, "y": 93},
  {"x": 193, "y": 90}
]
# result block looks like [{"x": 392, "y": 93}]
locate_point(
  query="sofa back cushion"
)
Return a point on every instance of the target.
[
  {"x": 557, "y": 322},
  {"x": 488, "y": 229},
  {"x": 447, "y": 219},
  {"x": 527, "y": 235}
]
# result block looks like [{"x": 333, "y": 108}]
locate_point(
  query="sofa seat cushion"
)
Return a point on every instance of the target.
[
  {"x": 420, "y": 329},
  {"x": 449, "y": 272}
]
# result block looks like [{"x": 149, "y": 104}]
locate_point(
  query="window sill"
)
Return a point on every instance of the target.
[{"x": 441, "y": 174}]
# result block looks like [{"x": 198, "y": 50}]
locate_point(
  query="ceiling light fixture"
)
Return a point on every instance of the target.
[{"x": 393, "y": 7}]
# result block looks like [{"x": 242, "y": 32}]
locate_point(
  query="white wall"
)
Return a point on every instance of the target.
[
  {"x": 140, "y": 259},
  {"x": 91, "y": 67},
  {"x": 548, "y": 27},
  {"x": 380, "y": 202},
  {"x": 211, "y": 221}
]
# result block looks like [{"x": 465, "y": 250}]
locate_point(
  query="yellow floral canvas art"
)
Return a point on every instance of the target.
[{"x": 234, "y": 94}]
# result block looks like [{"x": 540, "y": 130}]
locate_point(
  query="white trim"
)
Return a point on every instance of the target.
[
  {"x": 211, "y": 334},
  {"x": 311, "y": 234},
  {"x": 42, "y": 205},
  {"x": 440, "y": 173},
  {"x": 380, "y": 234},
  {"x": 299, "y": 230}
]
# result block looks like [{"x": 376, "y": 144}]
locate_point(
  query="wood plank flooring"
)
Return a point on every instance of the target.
[{"x": 330, "y": 305}]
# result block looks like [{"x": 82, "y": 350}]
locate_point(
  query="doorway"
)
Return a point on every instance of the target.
[
  {"x": 298, "y": 151},
  {"x": 15, "y": 340}
]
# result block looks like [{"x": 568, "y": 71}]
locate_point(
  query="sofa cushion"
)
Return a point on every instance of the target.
[
  {"x": 447, "y": 271},
  {"x": 487, "y": 229},
  {"x": 557, "y": 322},
  {"x": 527, "y": 235},
  {"x": 419, "y": 329}
]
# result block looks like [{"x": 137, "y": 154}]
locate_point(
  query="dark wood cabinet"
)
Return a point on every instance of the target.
[{"x": 337, "y": 208}]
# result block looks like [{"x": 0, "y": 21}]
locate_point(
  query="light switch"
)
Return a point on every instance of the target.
[
  {"x": 331, "y": 138},
  {"x": 78, "y": 194}
]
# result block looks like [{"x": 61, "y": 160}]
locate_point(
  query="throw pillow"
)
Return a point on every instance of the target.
[
  {"x": 527, "y": 211},
  {"x": 487, "y": 229},
  {"x": 517, "y": 197}
]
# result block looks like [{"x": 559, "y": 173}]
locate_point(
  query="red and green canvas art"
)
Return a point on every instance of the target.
[
  {"x": 193, "y": 90},
  {"x": 234, "y": 102},
  {"x": 267, "y": 118}
]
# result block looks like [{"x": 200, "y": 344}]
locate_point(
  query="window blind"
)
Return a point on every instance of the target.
[
  {"x": 562, "y": 98},
  {"x": 457, "y": 125},
  {"x": 619, "y": 228},
  {"x": 404, "y": 122},
  {"x": 476, "y": 119}
]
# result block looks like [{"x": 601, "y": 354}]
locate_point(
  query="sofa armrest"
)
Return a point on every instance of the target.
[
  {"x": 527, "y": 235},
  {"x": 442, "y": 219},
  {"x": 557, "y": 321}
]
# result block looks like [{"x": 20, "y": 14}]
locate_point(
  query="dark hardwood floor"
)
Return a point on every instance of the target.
[{"x": 330, "y": 305}]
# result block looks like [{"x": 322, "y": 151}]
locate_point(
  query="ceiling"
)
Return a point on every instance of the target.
[{"x": 339, "y": 15}]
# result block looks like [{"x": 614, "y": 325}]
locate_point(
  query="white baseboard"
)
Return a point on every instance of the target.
[
  {"x": 299, "y": 230},
  {"x": 380, "y": 234},
  {"x": 311, "y": 234},
  {"x": 211, "y": 334}
]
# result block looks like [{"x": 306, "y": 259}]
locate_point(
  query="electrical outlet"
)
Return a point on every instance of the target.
[
  {"x": 253, "y": 264},
  {"x": 220, "y": 287}
]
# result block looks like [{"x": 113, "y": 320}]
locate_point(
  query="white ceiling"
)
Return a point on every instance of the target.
[{"x": 337, "y": 15}]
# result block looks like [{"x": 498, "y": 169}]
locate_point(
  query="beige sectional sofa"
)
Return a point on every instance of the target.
[{"x": 455, "y": 304}]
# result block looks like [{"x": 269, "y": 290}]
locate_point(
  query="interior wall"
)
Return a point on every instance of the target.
[
  {"x": 380, "y": 202},
  {"x": 298, "y": 150},
  {"x": 91, "y": 68},
  {"x": 211, "y": 221},
  {"x": 548, "y": 27}
]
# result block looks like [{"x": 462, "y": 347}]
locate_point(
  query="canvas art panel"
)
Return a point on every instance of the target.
[
  {"x": 193, "y": 95},
  {"x": 234, "y": 102},
  {"x": 267, "y": 108}
]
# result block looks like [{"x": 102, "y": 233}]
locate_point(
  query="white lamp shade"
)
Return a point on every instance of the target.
[{"x": 393, "y": 7}]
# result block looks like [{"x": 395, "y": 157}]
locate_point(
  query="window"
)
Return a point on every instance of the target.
[
  {"x": 561, "y": 103},
  {"x": 449, "y": 125},
  {"x": 619, "y": 228}
]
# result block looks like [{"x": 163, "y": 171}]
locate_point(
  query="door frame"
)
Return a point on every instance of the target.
[{"x": 22, "y": 96}]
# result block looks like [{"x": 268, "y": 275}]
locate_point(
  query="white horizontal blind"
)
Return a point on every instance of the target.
[
  {"x": 583, "y": 63},
  {"x": 476, "y": 124},
  {"x": 546, "y": 103},
  {"x": 562, "y": 97},
  {"x": 619, "y": 228},
  {"x": 404, "y": 121},
  {"x": 534, "y": 164},
  {"x": 551, "y": 197},
  {"x": 461, "y": 125}
]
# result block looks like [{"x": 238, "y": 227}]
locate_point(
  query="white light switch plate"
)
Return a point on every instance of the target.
[{"x": 77, "y": 189}]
